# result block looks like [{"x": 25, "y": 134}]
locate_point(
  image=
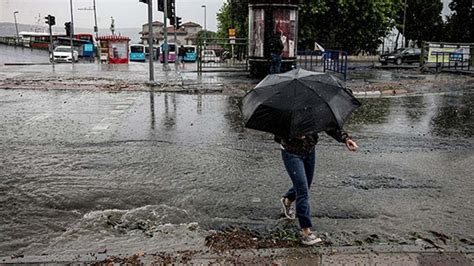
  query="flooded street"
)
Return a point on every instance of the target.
[{"x": 86, "y": 170}]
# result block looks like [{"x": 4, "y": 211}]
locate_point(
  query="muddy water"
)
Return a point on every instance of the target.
[{"x": 88, "y": 171}]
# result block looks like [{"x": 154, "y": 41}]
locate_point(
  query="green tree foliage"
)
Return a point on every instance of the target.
[
  {"x": 423, "y": 20},
  {"x": 233, "y": 14},
  {"x": 350, "y": 25},
  {"x": 460, "y": 25}
]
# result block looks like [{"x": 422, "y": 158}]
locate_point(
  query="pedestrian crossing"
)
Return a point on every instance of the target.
[{"x": 112, "y": 117}]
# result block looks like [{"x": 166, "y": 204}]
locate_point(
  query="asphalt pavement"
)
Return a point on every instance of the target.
[{"x": 120, "y": 172}]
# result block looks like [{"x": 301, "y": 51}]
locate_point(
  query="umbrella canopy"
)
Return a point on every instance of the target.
[{"x": 298, "y": 102}]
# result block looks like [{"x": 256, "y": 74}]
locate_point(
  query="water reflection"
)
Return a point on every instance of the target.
[
  {"x": 199, "y": 104},
  {"x": 415, "y": 107},
  {"x": 169, "y": 120},
  {"x": 428, "y": 115},
  {"x": 455, "y": 116},
  {"x": 372, "y": 111},
  {"x": 210, "y": 118},
  {"x": 152, "y": 110}
]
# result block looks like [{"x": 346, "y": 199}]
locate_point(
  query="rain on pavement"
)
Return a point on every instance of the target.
[{"x": 86, "y": 169}]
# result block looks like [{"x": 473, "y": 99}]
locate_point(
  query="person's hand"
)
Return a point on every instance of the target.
[{"x": 351, "y": 145}]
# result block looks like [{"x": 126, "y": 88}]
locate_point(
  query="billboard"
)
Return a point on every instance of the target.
[{"x": 446, "y": 53}]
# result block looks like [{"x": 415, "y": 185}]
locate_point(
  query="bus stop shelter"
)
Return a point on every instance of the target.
[{"x": 114, "y": 49}]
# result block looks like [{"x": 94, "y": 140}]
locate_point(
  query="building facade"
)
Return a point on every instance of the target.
[{"x": 186, "y": 34}]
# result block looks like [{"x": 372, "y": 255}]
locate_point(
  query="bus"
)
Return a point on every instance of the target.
[
  {"x": 190, "y": 53},
  {"x": 171, "y": 54},
  {"x": 137, "y": 52},
  {"x": 38, "y": 40},
  {"x": 82, "y": 42}
]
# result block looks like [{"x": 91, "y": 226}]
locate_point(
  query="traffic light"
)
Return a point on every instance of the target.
[
  {"x": 50, "y": 20},
  {"x": 67, "y": 26},
  {"x": 171, "y": 9},
  {"x": 143, "y": 1},
  {"x": 161, "y": 5},
  {"x": 178, "y": 22}
]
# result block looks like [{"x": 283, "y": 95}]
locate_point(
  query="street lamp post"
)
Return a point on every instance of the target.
[
  {"x": 71, "y": 36},
  {"x": 96, "y": 29},
  {"x": 205, "y": 28},
  {"x": 404, "y": 18},
  {"x": 16, "y": 26}
]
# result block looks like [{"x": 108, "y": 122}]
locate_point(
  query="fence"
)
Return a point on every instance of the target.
[
  {"x": 450, "y": 60},
  {"x": 329, "y": 60},
  {"x": 220, "y": 54},
  {"x": 11, "y": 41}
]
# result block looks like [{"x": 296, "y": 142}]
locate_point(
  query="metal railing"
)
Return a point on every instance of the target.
[
  {"x": 310, "y": 60},
  {"x": 14, "y": 41},
  {"x": 451, "y": 60},
  {"x": 221, "y": 54},
  {"x": 329, "y": 60},
  {"x": 335, "y": 61}
]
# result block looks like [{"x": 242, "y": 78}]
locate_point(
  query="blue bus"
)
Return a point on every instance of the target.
[
  {"x": 190, "y": 53},
  {"x": 137, "y": 52}
]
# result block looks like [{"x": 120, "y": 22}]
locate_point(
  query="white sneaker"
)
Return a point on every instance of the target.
[
  {"x": 310, "y": 240},
  {"x": 289, "y": 211}
]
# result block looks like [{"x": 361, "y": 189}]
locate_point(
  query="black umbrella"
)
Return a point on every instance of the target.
[{"x": 298, "y": 102}]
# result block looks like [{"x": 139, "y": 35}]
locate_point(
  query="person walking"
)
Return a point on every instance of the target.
[
  {"x": 181, "y": 55},
  {"x": 299, "y": 158},
  {"x": 276, "y": 49}
]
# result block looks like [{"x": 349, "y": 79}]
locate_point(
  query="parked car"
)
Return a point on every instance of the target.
[
  {"x": 401, "y": 55},
  {"x": 63, "y": 54},
  {"x": 209, "y": 56}
]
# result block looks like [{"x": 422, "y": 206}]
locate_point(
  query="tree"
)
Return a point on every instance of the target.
[
  {"x": 460, "y": 25},
  {"x": 350, "y": 25},
  {"x": 423, "y": 21},
  {"x": 233, "y": 14},
  {"x": 353, "y": 26}
]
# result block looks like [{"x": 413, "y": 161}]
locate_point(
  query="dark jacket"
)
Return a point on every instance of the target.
[
  {"x": 276, "y": 45},
  {"x": 182, "y": 51},
  {"x": 306, "y": 145}
]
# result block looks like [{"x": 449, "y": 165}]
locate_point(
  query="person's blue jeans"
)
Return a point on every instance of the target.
[
  {"x": 275, "y": 64},
  {"x": 301, "y": 171}
]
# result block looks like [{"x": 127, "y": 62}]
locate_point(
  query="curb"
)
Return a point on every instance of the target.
[
  {"x": 26, "y": 64},
  {"x": 367, "y": 255}
]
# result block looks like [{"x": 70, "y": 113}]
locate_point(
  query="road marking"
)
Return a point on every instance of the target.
[
  {"x": 37, "y": 118},
  {"x": 100, "y": 127},
  {"x": 122, "y": 107},
  {"x": 112, "y": 117},
  {"x": 117, "y": 112}
]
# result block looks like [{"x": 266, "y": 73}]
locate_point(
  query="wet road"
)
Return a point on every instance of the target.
[{"x": 85, "y": 170}]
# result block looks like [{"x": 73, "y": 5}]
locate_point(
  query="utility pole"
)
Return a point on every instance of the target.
[
  {"x": 205, "y": 28},
  {"x": 176, "y": 61},
  {"x": 165, "y": 35},
  {"x": 112, "y": 25},
  {"x": 51, "y": 22},
  {"x": 96, "y": 29},
  {"x": 16, "y": 26},
  {"x": 71, "y": 36},
  {"x": 150, "y": 40},
  {"x": 404, "y": 18}
]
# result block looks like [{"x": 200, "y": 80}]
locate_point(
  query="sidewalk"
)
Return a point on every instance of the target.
[{"x": 368, "y": 255}]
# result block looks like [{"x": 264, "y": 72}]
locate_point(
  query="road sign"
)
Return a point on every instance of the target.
[{"x": 231, "y": 32}]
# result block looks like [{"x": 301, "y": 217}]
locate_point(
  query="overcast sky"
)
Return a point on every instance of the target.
[{"x": 127, "y": 13}]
